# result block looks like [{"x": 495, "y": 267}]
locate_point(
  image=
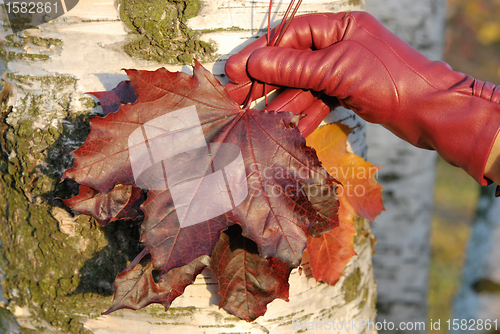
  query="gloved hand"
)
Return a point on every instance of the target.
[{"x": 352, "y": 57}]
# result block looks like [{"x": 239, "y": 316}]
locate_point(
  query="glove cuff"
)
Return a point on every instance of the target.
[
  {"x": 461, "y": 124},
  {"x": 489, "y": 92},
  {"x": 486, "y": 90}
]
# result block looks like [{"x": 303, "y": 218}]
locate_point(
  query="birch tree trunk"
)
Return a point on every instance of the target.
[
  {"x": 401, "y": 263},
  {"x": 58, "y": 268},
  {"x": 476, "y": 306}
]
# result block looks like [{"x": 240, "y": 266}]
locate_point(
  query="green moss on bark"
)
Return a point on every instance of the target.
[
  {"x": 13, "y": 50},
  {"x": 61, "y": 277},
  {"x": 161, "y": 31},
  {"x": 14, "y": 40},
  {"x": 350, "y": 288},
  {"x": 11, "y": 55}
]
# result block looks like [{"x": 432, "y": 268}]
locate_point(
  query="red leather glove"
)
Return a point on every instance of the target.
[{"x": 352, "y": 57}]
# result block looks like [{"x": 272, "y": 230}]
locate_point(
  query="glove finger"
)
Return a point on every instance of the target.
[
  {"x": 310, "y": 31},
  {"x": 292, "y": 100},
  {"x": 315, "y": 113},
  {"x": 239, "y": 91},
  {"x": 333, "y": 71},
  {"x": 301, "y": 102},
  {"x": 293, "y": 68}
]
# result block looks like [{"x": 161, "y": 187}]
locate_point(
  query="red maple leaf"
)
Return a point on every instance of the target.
[
  {"x": 247, "y": 282},
  {"x": 122, "y": 202},
  {"x": 111, "y": 100},
  {"x": 252, "y": 168},
  {"x": 136, "y": 287}
]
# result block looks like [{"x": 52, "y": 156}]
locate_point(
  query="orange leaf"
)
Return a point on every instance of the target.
[
  {"x": 329, "y": 253},
  {"x": 357, "y": 175},
  {"x": 360, "y": 194}
]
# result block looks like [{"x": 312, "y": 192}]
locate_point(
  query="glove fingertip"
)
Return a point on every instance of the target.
[
  {"x": 235, "y": 68},
  {"x": 315, "y": 116},
  {"x": 282, "y": 66}
]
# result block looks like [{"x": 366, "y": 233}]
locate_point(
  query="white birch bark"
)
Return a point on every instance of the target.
[{"x": 91, "y": 54}]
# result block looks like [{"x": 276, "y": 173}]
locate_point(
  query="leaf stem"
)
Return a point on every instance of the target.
[
  {"x": 137, "y": 259},
  {"x": 282, "y": 29},
  {"x": 280, "y": 32}
]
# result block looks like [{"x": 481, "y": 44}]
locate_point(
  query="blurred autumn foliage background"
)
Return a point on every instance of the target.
[
  {"x": 473, "y": 47},
  {"x": 473, "y": 38}
]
